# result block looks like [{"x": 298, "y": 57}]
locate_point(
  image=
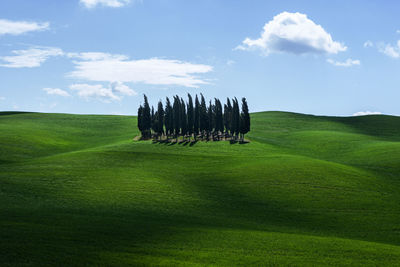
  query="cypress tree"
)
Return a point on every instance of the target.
[
  {"x": 140, "y": 119},
  {"x": 153, "y": 120},
  {"x": 235, "y": 117},
  {"x": 219, "y": 123},
  {"x": 228, "y": 117},
  {"x": 183, "y": 119},
  {"x": 196, "y": 120},
  {"x": 203, "y": 115},
  {"x": 146, "y": 118},
  {"x": 168, "y": 118},
  {"x": 190, "y": 114},
  {"x": 210, "y": 120},
  {"x": 160, "y": 119},
  {"x": 176, "y": 116},
  {"x": 245, "y": 119}
]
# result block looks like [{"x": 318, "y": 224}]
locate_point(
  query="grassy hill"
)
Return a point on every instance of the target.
[{"x": 307, "y": 190}]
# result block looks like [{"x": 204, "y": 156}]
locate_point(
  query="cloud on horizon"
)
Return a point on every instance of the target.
[
  {"x": 20, "y": 27},
  {"x": 364, "y": 113},
  {"x": 293, "y": 33}
]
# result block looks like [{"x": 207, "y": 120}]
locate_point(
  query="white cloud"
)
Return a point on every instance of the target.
[
  {"x": 398, "y": 31},
  {"x": 93, "y": 56},
  {"x": 2, "y": 98},
  {"x": 368, "y": 44},
  {"x": 348, "y": 63},
  {"x": 97, "y": 91},
  {"x": 293, "y": 33},
  {"x": 154, "y": 71},
  {"x": 363, "y": 113},
  {"x": 107, "y": 3},
  {"x": 56, "y": 91},
  {"x": 105, "y": 94},
  {"x": 29, "y": 58},
  {"x": 121, "y": 88},
  {"x": 20, "y": 27},
  {"x": 390, "y": 50}
]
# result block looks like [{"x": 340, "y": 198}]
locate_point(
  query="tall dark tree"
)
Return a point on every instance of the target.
[
  {"x": 168, "y": 118},
  {"x": 177, "y": 116},
  {"x": 183, "y": 119},
  {"x": 210, "y": 119},
  {"x": 153, "y": 120},
  {"x": 146, "y": 118},
  {"x": 203, "y": 116},
  {"x": 140, "y": 119},
  {"x": 235, "y": 118},
  {"x": 228, "y": 116},
  {"x": 190, "y": 116},
  {"x": 245, "y": 119},
  {"x": 219, "y": 120},
  {"x": 160, "y": 119},
  {"x": 196, "y": 120}
]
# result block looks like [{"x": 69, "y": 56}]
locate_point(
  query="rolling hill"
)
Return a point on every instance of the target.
[{"x": 307, "y": 190}]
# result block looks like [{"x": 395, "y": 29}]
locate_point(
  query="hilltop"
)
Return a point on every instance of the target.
[{"x": 312, "y": 190}]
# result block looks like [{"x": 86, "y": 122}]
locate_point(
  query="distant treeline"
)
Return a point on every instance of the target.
[{"x": 197, "y": 120}]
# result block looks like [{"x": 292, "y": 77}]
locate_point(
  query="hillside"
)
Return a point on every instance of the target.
[{"x": 307, "y": 190}]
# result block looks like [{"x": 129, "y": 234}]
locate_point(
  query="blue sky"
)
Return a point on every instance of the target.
[{"x": 100, "y": 56}]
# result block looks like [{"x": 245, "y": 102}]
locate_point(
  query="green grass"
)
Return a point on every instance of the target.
[{"x": 307, "y": 190}]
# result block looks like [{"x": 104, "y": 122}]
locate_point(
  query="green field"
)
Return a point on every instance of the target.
[{"x": 307, "y": 190}]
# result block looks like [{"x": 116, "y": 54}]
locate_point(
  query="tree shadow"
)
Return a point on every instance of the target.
[{"x": 193, "y": 143}]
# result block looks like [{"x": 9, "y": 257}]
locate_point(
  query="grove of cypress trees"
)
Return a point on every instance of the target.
[{"x": 185, "y": 119}]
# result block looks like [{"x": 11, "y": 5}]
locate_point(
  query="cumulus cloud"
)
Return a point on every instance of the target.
[
  {"x": 56, "y": 91},
  {"x": 106, "y": 94},
  {"x": 293, "y": 33},
  {"x": 2, "y": 98},
  {"x": 29, "y": 58},
  {"x": 363, "y": 113},
  {"x": 392, "y": 51},
  {"x": 119, "y": 87},
  {"x": 94, "y": 91},
  {"x": 107, "y": 3},
  {"x": 368, "y": 44},
  {"x": 20, "y": 27},
  {"x": 348, "y": 63},
  {"x": 154, "y": 71}
]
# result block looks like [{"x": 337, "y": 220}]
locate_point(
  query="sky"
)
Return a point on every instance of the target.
[{"x": 338, "y": 58}]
